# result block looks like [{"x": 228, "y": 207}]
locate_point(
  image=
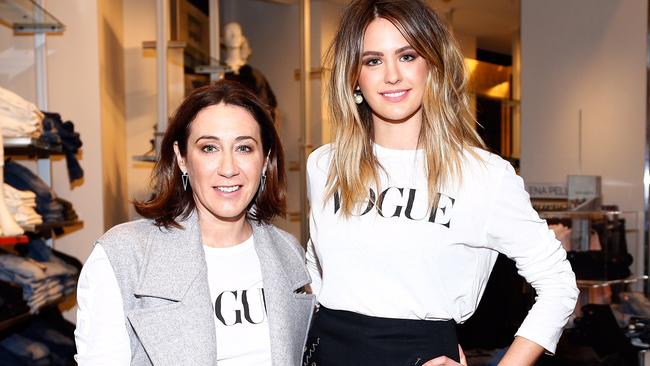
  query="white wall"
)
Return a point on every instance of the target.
[
  {"x": 140, "y": 94},
  {"x": 326, "y": 15},
  {"x": 587, "y": 55},
  {"x": 113, "y": 131}
]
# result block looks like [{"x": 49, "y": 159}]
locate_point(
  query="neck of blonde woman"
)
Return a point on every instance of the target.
[{"x": 398, "y": 135}]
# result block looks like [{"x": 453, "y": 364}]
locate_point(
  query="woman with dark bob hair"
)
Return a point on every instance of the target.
[
  {"x": 203, "y": 278},
  {"x": 409, "y": 211}
]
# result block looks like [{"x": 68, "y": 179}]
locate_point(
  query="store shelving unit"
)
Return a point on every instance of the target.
[
  {"x": 14, "y": 240},
  {"x": 29, "y": 17},
  {"x": 608, "y": 283},
  {"x": 9, "y": 323},
  {"x": 30, "y": 147}
]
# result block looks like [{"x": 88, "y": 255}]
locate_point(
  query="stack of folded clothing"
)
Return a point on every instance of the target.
[
  {"x": 69, "y": 214},
  {"x": 22, "y": 178},
  {"x": 43, "y": 283},
  {"x": 46, "y": 339},
  {"x": 57, "y": 131},
  {"x": 18, "y": 350},
  {"x": 37, "y": 249},
  {"x": 22, "y": 205},
  {"x": 11, "y": 301},
  {"x": 18, "y": 117}
]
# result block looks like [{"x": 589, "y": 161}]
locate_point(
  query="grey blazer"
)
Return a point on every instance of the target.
[{"x": 169, "y": 314}]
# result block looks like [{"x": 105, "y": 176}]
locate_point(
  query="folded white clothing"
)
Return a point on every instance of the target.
[
  {"x": 10, "y": 101},
  {"x": 18, "y": 114},
  {"x": 10, "y": 201},
  {"x": 29, "y": 221},
  {"x": 12, "y": 192},
  {"x": 12, "y": 127},
  {"x": 24, "y": 211}
]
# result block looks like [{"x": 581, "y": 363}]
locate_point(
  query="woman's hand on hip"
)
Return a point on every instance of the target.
[{"x": 446, "y": 361}]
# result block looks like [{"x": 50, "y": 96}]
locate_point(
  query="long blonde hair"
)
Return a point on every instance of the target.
[{"x": 448, "y": 127}]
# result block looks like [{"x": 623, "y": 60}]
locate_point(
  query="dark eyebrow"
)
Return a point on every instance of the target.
[
  {"x": 397, "y": 51},
  {"x": 207, "y": 137},
  {"x": 371, "y": 53},
  {"x": 238, "y": 138}
]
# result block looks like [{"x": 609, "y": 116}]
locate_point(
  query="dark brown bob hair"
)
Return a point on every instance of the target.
[{"x": 170, "y": 202}]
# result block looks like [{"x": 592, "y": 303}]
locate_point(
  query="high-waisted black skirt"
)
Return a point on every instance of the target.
[{"x": 343, "y": 338}]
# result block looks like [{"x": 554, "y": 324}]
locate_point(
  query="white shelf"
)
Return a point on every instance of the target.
[{"x": 599, "y": 284}]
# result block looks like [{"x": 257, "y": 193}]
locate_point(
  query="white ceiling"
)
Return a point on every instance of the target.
[{"x": 492, "y": 22}]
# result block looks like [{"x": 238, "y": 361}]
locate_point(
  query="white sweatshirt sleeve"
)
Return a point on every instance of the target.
[
  {"x": 313, "y": 268},
  {"x": 101, "y": 335},
  {"x": 516, "y": 230}
]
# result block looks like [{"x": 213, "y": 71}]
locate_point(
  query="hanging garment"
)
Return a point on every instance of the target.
[
  {"x": 70, "y": 142},
  {"x": 255, "y": 81}
]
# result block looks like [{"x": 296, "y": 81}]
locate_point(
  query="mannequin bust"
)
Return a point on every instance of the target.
[
  {"x": 236, "y": 57},
  {"x": 234, "y": 41}
]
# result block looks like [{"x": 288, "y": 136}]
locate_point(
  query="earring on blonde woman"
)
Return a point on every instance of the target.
[{"x": 358, "y": 97}]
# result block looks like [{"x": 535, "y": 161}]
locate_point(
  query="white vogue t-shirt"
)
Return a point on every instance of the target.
[{"x": 236, "y": 289}]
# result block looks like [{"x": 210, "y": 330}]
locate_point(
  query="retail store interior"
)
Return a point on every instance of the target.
[{"x": 559, "y": 89}]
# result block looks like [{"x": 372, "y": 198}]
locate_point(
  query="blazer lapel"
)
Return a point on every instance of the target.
[
  {"x": 172, "y": 330},
  {"x": 289, "y": 313}
]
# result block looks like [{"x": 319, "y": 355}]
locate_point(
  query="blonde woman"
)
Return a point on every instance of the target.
[{"x": 408, "y": 211}]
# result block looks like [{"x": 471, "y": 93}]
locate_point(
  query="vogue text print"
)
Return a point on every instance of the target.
[
  {"x": 399, "y": 202},
  {"x": 237, "y": 307}
]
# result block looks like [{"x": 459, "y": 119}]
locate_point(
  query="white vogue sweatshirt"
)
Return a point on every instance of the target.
[{"x": 396, "y": 257}]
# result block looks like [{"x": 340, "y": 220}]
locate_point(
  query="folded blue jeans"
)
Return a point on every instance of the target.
[{"x": 25, "y": 349}]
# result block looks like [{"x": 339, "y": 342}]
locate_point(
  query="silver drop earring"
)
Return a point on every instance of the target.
[
  {"x": 185, "y": 178},
  {"x": 262, "y": 182},
  {"x": 263, "y": 177}
]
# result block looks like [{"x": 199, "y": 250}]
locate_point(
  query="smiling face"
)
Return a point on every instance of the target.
[
  {"x": 393, "y": 76},
  {"x": 224, "y": 161}
]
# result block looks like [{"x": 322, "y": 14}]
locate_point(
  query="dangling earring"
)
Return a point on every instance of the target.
[
  {"x": 185, "y": 178},
  {"x": 358, "y": 97},
  {"x": 262, "y": 182},
  {"x": 263, "y": 177}
]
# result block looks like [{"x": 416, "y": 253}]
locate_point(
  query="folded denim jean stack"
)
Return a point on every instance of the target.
[
  {"x": 43, "y": 282},
  {"x": 11, "y": 301},
  {"x": 47, "y": 339},
  {"x": 24, "y": 179},
  {"x": 22, "y": 205},
  {"x": 69, "y": 214},
  {"x": 18, "y": 350},
  {"x": 18, "y": 117}
]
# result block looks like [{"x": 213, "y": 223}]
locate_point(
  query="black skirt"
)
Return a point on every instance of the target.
[{"x": 343, "y": 338}]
